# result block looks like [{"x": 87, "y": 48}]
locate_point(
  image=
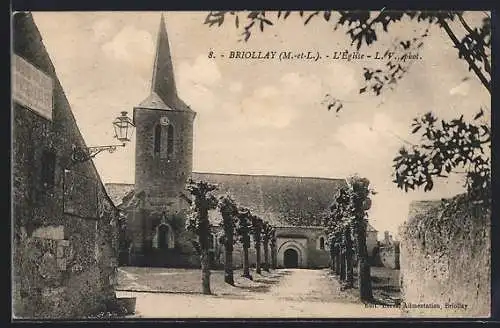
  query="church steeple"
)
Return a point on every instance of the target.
[
  {"x": 163, "y": 82},
  {"x": 163, "y": 95}
]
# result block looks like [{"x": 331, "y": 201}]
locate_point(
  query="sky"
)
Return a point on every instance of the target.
[{"x": 262, "y": 117}]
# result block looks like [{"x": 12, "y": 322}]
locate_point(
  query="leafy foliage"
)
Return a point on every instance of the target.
[
  {"x": 476, "y": 43},
  {"x": 257, "y": 226},
  {"x": 203, "y": 201},
  {"x": 377, "y": 80},
  {"x": 340, "y": 213},
  {"x": 434, "y": 226},
  {"x": 244, "y": 227},
  {"x": 360, "y": 197},
  {"x": 229, "y": 211},
  {"x": 272, "y": 237},
  {"x": 267, "y": 232},
  {"x": 198, "y": 222},
  {"x": 444, "y": 147},
  {"x": 346, "y": 221},
  {"x": 456, "y": 143},
  {"x": 364, "y": 27}
]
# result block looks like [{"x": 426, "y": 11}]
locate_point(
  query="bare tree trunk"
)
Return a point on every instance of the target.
[
  {"x": 246, "y": 267},
  {"x": 342, "y": 263},
  {"x": 349, "y": 277},
  {"x": 266, "y": 256},
  {"x": 228, "y": 261},
  {"x": 332, "y": 255},
  {"x": 364, "y": 276},
  {"x": 338, "y": 260},
  {"x": 205, "y": 272},
  {"x": 257, "y": 253},
  {"x": 204, "y": 246},
  {"x": 273, "y": 257}
]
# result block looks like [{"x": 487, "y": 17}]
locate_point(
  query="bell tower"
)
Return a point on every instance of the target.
[{"x": 164, "y": 135}]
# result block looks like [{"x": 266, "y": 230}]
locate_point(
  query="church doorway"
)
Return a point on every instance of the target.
[
  {"x": 163, "y": 236},
  {"x": 291, "y": 258}
]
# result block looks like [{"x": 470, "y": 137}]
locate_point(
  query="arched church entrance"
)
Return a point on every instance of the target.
[
  {"x": 163, "y": 243},
  {"x": 163, "y": 236},
  {"x": 292, "y": 253},
  {"x": 291, "y": 258}
]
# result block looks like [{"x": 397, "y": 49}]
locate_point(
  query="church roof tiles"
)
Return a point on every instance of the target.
[{"x": 274, "y": 198}]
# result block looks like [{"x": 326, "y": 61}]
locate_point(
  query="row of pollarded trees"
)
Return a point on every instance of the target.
[
  {"x": 346, "y": 224},
  {"x": 238, "y": 225}
]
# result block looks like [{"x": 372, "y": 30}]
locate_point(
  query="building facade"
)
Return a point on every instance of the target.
[
  {"x": 388, "y": 252},
  {"x": 371, "y": 240},
  {"x": 65, "y": 234}
]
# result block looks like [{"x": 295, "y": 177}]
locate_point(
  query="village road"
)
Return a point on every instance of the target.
[{"x": 300, "y": 293}]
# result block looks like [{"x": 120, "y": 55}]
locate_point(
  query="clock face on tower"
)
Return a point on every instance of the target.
[{"x": 164, "y": 120}]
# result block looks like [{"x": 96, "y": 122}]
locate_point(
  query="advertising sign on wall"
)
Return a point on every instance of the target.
[{"x": 31, "y": 87}]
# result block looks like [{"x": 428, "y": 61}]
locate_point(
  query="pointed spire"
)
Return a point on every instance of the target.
[
  {"x": 163, "y": 94},
  {"x": 163, "y": 83}
]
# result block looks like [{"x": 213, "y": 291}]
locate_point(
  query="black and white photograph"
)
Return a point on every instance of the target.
[{"x": 250, "y": 164}]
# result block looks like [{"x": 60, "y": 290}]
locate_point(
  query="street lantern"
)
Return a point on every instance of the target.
[{"x": 123, "y": 126}]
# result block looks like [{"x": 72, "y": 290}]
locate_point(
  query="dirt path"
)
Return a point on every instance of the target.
[
  {"x": 309, "y": 285},
  {"x": 298, "y": 294}
]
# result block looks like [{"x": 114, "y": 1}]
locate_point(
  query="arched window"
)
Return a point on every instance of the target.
[
  {"x": 170, "y": 140},
  {"x": 157, "y": 140},
  {"x": 322, "y": 243}
]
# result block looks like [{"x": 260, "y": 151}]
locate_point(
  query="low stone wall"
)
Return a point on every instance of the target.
[
  {"x": 445, "y": 259},
  {"x": 63, "y": 278},
  {"x": 68, "y": 270}
]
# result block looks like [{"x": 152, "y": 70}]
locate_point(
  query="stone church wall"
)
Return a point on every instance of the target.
[
  {"x": 141, "y": 230},
  {"x": 65, "y": 226},
  {"x": 160, "y": 177},
  {"x": 314, "y": 257}
]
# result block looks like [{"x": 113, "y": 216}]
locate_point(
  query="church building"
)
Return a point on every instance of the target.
[{"x": 155, "y": 206}]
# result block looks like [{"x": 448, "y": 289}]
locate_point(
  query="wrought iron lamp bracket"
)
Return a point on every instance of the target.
[{"x": 80, "y": 155}]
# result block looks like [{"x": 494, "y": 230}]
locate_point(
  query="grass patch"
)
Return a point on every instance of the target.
[
  {"x": 188, "y": 281},
  {"x": 385, "y": 286}
]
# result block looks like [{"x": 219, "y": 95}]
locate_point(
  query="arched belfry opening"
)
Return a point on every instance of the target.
[
  {"x": 157, "y": 140},
  {"x": 170, "y": 140}
]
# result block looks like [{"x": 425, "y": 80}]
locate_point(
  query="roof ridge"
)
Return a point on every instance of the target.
[
  {"x": 119, "y": 183},
  {"x": 271, "y": 175}
]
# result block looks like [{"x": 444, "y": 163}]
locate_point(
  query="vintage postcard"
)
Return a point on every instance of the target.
[{"x": 253, "y": 164}]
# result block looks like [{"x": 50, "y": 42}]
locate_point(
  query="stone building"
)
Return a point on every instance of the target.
[
  {"x": 281, "y": 200},
  {"x": 387, "y": 254},
  {"x": 156, "y": 205},
  {"x": 64, "y": 223},
  {"x": 371, "y": 239},
  {"x": 275, "y": 199}
]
